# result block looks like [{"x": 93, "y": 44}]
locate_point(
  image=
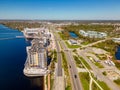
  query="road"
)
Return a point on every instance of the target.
[
  {"x": 99, "y": 74},
  {"x": 59, "y": 83},
  {"x": 76, "y": 85},
  {"x": 59, "y": 57},
  {"x": 75, "y": 80},
  {"x": 96, "y": 43}
]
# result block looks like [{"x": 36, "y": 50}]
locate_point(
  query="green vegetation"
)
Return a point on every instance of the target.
[
  {"x": 85, "y": 79},
  {"x": 85, "y": 43},
  {"x": 86, "y": 64},
  {"x": 68, "y": 88},
  {"x": 94, "y": 86},
  {"x": 101, "y": 56},
  {"x": 104, "y": 73},
  {"x": 78, "y": 62},
  {"x": 117, "y": 81},
  {"x": 76, "y": 28},
  {"x": 65, "y": 66},
  {"x": 21, "y": 25},
  {"x": 51, "y": 81},
  {"x": 117, "y": 64},
  {"x": 74, "y": 50},
  {"x": 109, "y": 46},
  {"x": 55, "y": 56},
  {"x": 96, "y": 63},
  {"x": 99, "y": 65},
  {"x": 64, "y": 36},
  {"x": 102, "y": 84},
  {"x": 100, "y": 28},
  {"x": 84, "y": 82},
  {"x": 54, "y": 60},
  {"x": 72, "y": 46},
  {"x": 47, "y": 80}
]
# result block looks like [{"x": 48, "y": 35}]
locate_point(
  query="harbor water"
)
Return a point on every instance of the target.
[
  {"x": 117, "y": 54},
  {"x": 12, "y": 58}
]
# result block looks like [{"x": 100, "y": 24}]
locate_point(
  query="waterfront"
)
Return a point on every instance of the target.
[
  {"x": 12, "y": 59},
  {"x": 117, "y": 54}
]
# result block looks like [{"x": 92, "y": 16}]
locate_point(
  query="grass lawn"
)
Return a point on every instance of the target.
[
  {"x": 85, "y": 79},
  {"x": 102, "y": 84},
  {"x": 99, "y": 65},
  {"x": 117, "y": 81},
  {"x": 86, "y": 64},
  {"x": 85, "y": 43},
  {"x": 78, "y": 62},
  {"x": 62, "y": 36},
  {"x": 68, "y": 88},
  {"x": 71, "y": 46},
  {"x": 94, "y": 86},
  {"x": 51, "y": 83},
  {"x": 101, "y": 56}
]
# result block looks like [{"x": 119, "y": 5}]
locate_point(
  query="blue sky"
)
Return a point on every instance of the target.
[{"x": 60, "y": 9}]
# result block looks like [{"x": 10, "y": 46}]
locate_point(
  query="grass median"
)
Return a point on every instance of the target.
[
  {"x": 78, "y": 62},
  {"x": 85, "y": 63},
  {"x": 65, "y": 66},
  {"x": 102, "y": 84},
  {"x": 85, "y": 79}
]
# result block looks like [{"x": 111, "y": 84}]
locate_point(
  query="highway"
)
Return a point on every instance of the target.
[
  {"x": 59, "y": 57},
  {"x": 75, "y": 80},
  {"x": 59, "y": 82}
]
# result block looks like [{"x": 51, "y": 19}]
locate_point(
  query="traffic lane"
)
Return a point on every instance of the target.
[{"x": 76, "y": 76}]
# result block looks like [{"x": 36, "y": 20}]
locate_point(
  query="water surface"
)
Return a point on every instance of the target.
[
  {"x": 12, "y": 58},
  {"x": 73, "y": 35}
]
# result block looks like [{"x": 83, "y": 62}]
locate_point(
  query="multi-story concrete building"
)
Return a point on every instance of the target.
[
  {"x": 36, "y": 63},
  {"x": 37, "y": 56}
]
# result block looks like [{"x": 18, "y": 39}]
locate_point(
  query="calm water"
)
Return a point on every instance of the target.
[
  {"x": 12, "y": 59},
  {"x": 117, "y": 54},
  {"x": 73, "y": 35}
]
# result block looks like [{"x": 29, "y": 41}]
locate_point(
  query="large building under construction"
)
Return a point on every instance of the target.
[
  {"x": 36, "y": 63},
  {"x": 37, "y": 55}
]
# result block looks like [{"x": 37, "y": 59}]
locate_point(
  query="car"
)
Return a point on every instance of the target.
[{"x": 75, "y": 76}]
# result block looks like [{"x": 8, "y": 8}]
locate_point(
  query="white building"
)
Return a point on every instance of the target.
[
  {"x": 71, "y": 41},
  {"x": 31, "y": 30},
  {"x": 117, "y": 40},
  {"x": 93, "y": 34}
]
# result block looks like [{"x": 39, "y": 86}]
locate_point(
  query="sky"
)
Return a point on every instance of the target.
[{"x": 60, "y": 9}]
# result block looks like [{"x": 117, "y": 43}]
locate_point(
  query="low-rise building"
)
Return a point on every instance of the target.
[
  {"x": 117, "y": 40},
  {"x": 72, "y": 41},
  {"x": 93, "y": 34}
]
